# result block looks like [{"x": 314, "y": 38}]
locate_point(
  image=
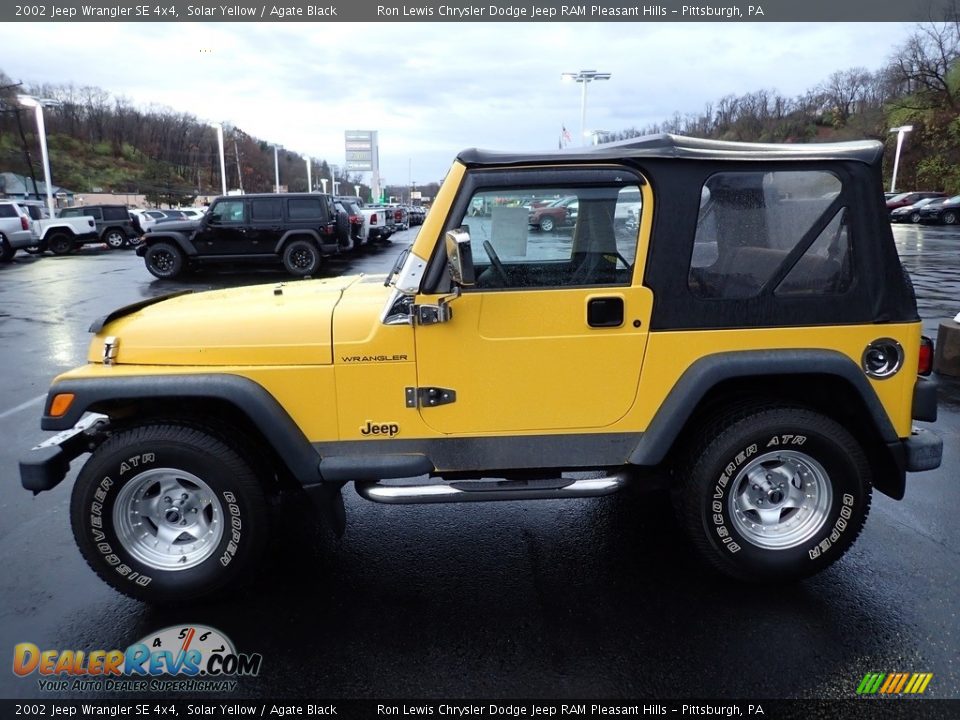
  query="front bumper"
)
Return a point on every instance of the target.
[{"x": 48, "y": 463}]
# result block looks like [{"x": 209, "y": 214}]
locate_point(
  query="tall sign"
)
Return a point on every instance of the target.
[{"x": 362, "y": 155}]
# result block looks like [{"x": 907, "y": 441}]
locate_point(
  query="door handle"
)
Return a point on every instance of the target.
[{"x": 605, "y": 312}]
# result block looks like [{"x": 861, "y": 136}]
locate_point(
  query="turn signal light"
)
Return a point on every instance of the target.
[
  {"x": 61, "y": 403},
  {"x": 925, "y": 364}
]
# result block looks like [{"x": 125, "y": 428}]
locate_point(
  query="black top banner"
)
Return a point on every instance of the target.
[
  {"x": 477, "y": 11},
  {"x": 860, "y": 709}
]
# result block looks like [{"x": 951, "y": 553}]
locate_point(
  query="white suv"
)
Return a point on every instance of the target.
[{"x": 16, "y": 230}]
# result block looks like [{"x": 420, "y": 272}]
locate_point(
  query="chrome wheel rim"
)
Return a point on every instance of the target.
[
  {"x": 780, "y": 500},
  {"x": 114, "y": 240},
  {"x": 168, "y": 519}
]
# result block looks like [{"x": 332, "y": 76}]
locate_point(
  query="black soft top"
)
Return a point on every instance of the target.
[{"x": 685, "y": 148}]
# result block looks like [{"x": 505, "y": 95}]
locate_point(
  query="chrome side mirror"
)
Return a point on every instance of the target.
[{"x": 460, "y": 257}]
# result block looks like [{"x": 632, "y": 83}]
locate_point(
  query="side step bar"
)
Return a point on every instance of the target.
[{"x": 486, "y": 491}]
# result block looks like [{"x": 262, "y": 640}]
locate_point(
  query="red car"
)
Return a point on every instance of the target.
[
  {"x": 909, "y": 198},
  {"x": 559, "y": 213}
]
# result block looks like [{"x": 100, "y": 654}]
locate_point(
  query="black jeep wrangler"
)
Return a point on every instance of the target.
[
  {"x": 114, "y": 224},
  {"x": 297, "y": 229}
]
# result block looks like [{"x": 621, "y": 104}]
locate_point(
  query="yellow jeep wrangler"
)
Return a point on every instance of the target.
[{"x": 731, "y": 316}]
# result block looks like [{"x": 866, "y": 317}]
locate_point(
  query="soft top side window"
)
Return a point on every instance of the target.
[{"x": 756, "y": 227}]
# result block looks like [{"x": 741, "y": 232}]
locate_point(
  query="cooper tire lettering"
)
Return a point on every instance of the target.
[
  {"x": 790, "y": 491},
  {"x": 117, "y": 485}
]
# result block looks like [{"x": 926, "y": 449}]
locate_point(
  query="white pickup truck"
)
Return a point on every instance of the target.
[
  {"x": 378, "y": 222},
  {"x": 59, "y": 235}
]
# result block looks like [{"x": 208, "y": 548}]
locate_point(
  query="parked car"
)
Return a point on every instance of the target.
[
  {"x": 911, "y": 213},
  {"x": 113, "y": 224},
  {"x": 560, "y": 213},
  {"x": 147, "y": 218},
  {"x": 16, "y": 230},
  {"x": 295, "y": 229},
  {"x": 770, "y": 380},
  {"x": 947, "y": 212},
  {"x": 379, "y": 223},
  {"x": 909, "y": 198},
  {"x": 344, "y": 236},
  {"x": 358, "y": 222},
  {"x": 59, "y": 235}
]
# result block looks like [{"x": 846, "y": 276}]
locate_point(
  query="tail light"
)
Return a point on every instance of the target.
[
  {"x": 373, "y": 219},
  {"x": 24, "y": 223},
  {"x": 356, "y": 220},
  {"x": 398, "y": 215},
  {"x": 925, "y": 364}
]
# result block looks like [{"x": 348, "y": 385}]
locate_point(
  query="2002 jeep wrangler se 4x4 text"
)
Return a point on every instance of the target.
[{"x": 753, "y": 336}]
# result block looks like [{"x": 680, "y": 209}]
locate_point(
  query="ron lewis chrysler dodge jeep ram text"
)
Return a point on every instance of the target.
[{"x": 752, "y": 336}]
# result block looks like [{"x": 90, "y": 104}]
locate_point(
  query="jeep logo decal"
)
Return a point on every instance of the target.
[{"x": 371, "y": 428}]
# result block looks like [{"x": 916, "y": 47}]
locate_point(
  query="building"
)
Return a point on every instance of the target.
[{"x": 18, "y": 187}]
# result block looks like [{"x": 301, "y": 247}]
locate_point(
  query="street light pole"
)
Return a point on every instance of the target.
[
  {"x": 37, "y": 104},
  {"x": 323, "y": 181},
  {"x": 223, "y": 162},
  {"x": 901, "y": 133},
  {"x": 276, "y": 168},
  {"x": 309, "y": 176},
  {"x": 584, "y": 77}
]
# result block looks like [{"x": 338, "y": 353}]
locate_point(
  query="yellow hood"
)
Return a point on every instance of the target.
[{"x": 254, "y": 325}]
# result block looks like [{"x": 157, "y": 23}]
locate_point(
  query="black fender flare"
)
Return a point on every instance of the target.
[
  {"x": 704, "y": 374},
  {"x": 290, "y": 235},
  {"x": 181, "y": 240},
  {"x": 249, "y": 397}
]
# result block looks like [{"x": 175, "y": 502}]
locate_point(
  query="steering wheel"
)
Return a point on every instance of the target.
[{"x": 496, "y": 263}]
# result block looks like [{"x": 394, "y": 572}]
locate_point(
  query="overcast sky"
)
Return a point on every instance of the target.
[{"x": 434, "y": 89}]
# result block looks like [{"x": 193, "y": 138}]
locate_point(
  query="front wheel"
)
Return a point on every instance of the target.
[
  {"x": 163, "y": 260},
  {"x": 949, "y": 218},
  {"x": 547, "y": 224},
  {"x": 301, "y": 258},
  {"x": 773, "y": 494},
  {"x": 168, "y": 513},
  {"x": 914, "y": 217}
]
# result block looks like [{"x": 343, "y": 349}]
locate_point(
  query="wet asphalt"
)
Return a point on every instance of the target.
[{"x": 550, "y": 599}]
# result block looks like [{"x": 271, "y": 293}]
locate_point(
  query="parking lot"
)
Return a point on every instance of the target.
[{"x": 575, "y": 598}]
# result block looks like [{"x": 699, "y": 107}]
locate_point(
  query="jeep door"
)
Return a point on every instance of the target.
[
  {"x": 224, "y": 232},
  {"x": 552, "y": 335},
  {"x": 266, "y": 226}
]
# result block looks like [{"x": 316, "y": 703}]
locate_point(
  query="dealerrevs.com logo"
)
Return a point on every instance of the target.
[{"x": 178, "y": 658}]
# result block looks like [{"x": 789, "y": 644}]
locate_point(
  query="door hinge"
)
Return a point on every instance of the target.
[{"x": 429, "y": 396}]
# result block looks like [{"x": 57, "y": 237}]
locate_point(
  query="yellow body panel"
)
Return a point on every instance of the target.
[{"x": 241, "y": 326}]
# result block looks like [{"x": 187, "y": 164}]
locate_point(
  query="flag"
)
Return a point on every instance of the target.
[{"x": 565, "y": 134}]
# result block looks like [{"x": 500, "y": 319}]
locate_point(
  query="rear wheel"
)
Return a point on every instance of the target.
[
  {"x": 163, "y": 260},
  {"x": 547, "y": 224},
  {"x": 168, "y": 513},
  {"x": 60, "y": 244},
  {"x": 301, "y": 258},
  {"x": 6, "y": 251},
  {"x": 773, "y": 494},
  {"x": 114, "y": 238}
]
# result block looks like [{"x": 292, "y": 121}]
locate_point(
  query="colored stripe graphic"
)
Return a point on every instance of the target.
[
  {"x": 870, "y": 683},
  {"x": 894, "y": 683}
]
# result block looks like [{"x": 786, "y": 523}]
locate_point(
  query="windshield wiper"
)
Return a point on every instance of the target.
[{"x": 396, "y": 267}]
